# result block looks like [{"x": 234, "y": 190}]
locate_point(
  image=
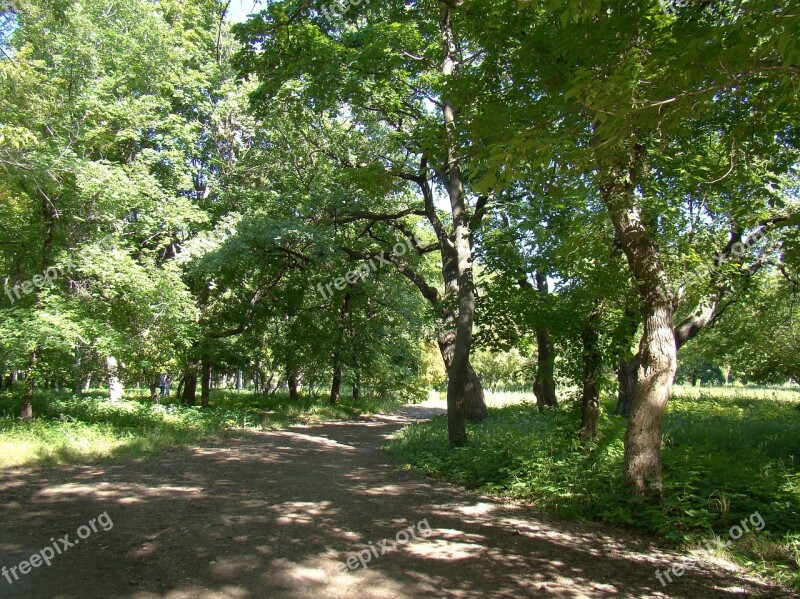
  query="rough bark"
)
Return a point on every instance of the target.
[
  {"x": 592, "y": 368},
  {"x": 475, "y": 409},
  {"x": 544, "y": 387},
  {"x": 657, "y": 355},
  {"x": 458, "y": 380}
]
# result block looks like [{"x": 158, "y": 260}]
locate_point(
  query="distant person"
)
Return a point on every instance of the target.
[
  {"x": 168, "y": 384},
  {"x": 162, "y": 385}
]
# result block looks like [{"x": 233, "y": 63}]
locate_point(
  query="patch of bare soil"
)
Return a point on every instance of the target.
[{"x": 277, "y": 514}]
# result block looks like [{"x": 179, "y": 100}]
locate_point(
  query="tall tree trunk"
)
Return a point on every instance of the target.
[
  {"x": 336, "y": 385},
  {"x": 205, "y": 383},
  {"x": 544, "y": 387},
  {"x": 461, "y": 382},
  {"x": 592, "y": 369},
  {"x": 657, "y": 354},
  {"x": 190, "y": 384},
  {"x": 115, "y": 389}
]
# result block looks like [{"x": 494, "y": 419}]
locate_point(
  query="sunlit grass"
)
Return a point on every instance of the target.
[
  {"x": 69, "y": 430},
  {"x": 727, "y": 453}
]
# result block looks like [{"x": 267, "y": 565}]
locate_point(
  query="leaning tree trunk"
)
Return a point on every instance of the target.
[
  {"x": 656, "y": 372},
  {"x": 592, "y": 369},
  {"x": 657, "y": 355}
]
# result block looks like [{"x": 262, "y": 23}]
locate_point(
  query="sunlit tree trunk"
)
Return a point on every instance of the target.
[
  {"x": 657, "y": 357},
  {"x": 115, "y": 389}
]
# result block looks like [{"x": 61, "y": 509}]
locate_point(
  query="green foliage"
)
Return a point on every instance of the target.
[{"x": 726, "y": 455}]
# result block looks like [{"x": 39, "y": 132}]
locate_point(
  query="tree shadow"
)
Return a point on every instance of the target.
[{"x": 277, "y": 514}]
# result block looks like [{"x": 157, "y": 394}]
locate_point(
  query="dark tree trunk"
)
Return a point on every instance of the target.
[
  {"x": 474, "y": 399},
  {"x": 179, "y": 392},
  {"x": 627, "y": 365},
  {"x": 294, "y": 384},
  {"x": 205, "y": 391},
  {"x": 626, "y": 377},
  {"x": 190, "y": 384},
  {"x": 544, "y": 387},
  {"x": 657, "y": 355},
  {"x": 336, "y": 385},
  {"x": 592, "y": 368},
  {"x": 154, "y": 392}
]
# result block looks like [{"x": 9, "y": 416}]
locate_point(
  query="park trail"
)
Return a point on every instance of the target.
[{"x": 277, "y": 515}]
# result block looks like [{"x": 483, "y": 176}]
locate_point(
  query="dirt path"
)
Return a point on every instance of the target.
[{"x": 276, "y": 514}]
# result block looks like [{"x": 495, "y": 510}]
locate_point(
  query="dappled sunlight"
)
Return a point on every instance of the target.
[{"x": 278, "y": 514}]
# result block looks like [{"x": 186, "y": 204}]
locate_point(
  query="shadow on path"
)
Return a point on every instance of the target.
[{"x": 276, "y": 514}]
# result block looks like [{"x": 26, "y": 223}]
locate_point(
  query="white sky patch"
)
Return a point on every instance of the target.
[{"x": 240, "y": 9}]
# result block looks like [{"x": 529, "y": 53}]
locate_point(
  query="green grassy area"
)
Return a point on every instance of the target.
[
  {"x": 728, "y": 453},
  {"x": 67, "y": 429}
]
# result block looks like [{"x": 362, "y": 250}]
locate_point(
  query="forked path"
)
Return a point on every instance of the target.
[{"x": 276, "y": 514}]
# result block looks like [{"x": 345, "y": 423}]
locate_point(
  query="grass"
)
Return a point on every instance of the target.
[
  {"x": 68, "y": 429},
  {"x": 727, "y": 454}
]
